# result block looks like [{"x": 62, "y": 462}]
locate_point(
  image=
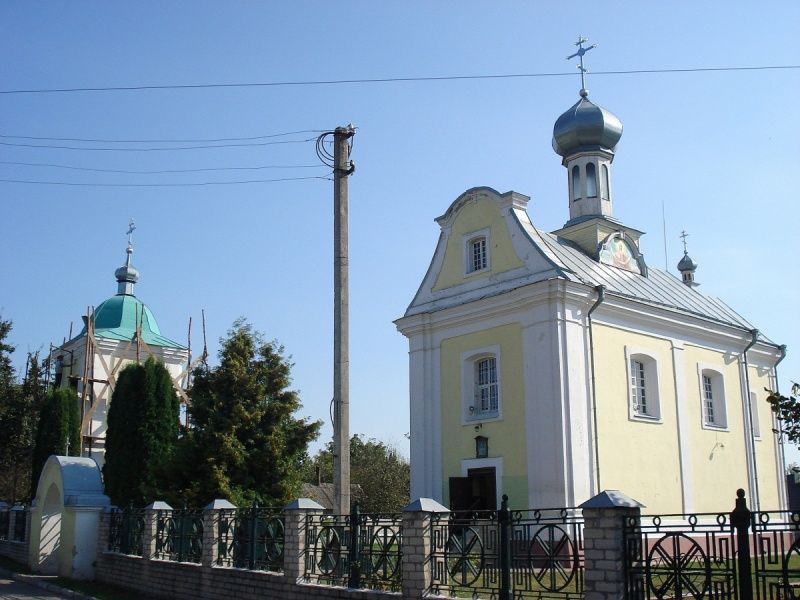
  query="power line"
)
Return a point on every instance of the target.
[
  {"x": 201, "y": 183},
  {"x": 159, "y": 172},
  {"x": 163, "y": 141},
  {"x": 152, "y": 149},
  {"x": 137, "y": 88}
]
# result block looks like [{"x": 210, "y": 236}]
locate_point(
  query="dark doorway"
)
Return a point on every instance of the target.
[{"x": 477, "y": 491}]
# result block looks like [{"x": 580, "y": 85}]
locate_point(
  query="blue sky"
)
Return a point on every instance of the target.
[{"x": 718, "y": 150}]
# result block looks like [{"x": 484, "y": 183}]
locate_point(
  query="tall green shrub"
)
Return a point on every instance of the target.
[
  {"x": 143, "y": 429},
  {"x": 58, "y": 431}
]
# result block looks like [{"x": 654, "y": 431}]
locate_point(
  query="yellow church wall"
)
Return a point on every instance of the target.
[
  {"x": 506, "y": 435},
  {"x": 768, "y": 484},
  {"x": 717, "y": 455},
  {"x": 473, "y": 217},
  {"x": 637, "y": 456}
]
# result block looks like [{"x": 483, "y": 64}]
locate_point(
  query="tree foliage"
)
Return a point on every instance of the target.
[
  {"x": 143, "y": 429},
  {"x": 381, "y": 473},
  {"x": 787, "y": 412},
  {"x": 58, "y": 430},
  {"x": 19, "y": 409},
  {"x": 244, "y": 443}
]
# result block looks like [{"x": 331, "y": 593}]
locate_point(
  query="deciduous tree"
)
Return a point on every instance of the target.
[
  {"x": 380, "y": 472},
  {"x": 787, "y": 412}
]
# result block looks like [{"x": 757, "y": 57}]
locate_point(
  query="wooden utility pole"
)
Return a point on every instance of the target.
[{"x": 342, "y": 169}]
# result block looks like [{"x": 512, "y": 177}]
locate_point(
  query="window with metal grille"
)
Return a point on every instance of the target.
[
  {"x": 638, "y": 388},
  {"x": 708, "y": 396},
  {"x": 478, "y": 259},
  {"x": 712, "y": 397},
  {"x": 486, "y": 392}
]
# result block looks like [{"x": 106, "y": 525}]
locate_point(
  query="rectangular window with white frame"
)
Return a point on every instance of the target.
[{"x": 643, "y": 393}]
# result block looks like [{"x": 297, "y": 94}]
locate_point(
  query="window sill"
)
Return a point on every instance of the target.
[
  {"x": 482, "y": 418},
  {"x": 646, "y": 418},
  {"x": 477, "y": 272},
  {"x": 712, "y": 427}
]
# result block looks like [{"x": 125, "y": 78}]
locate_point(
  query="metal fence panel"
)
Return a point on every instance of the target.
[
  {"x": 356, "y": 551},
  {"x": 179, "y": 535},
  {"x": 251, "y": 538},
  {"x": 535, "y": 553}
]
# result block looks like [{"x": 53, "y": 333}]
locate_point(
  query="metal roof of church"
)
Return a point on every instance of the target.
[
  {"x": 116, "y": 319},
  {"x": 658, "y": 287}
]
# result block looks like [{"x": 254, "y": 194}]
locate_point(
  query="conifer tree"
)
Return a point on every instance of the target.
[
  {"x": 244, "y": 443},
  {"x": 58, "y": 430},
  {"x": 143, "y": 429}
]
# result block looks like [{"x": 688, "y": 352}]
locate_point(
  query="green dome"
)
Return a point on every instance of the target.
[{"x": 116, "y": 319}]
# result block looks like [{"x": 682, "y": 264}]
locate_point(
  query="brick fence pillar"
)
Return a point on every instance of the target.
[
  {"x": 416, "y": 573},
  {"x": 211, "y": 514},
  {"x": 150, "y": 524},
  {"x": 104, "y": 530},
  {"x": 604, "y": 543},
  {"x": 294, "y": 536}
]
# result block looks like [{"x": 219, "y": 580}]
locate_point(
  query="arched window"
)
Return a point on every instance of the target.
[
  {"x": 643, "y": 377},
  {"x": 576, "y": 183},
  {"x": 480, "y": 384},
  {"x": 591, "y": 181},
  {"x": 605, "y": 188}
]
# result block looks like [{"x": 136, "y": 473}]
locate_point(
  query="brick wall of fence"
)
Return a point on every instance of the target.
[
  {"x": 14, "y": 532},
  {"x": 426, "y": 551},
  {"x": 602, "y": 550}
]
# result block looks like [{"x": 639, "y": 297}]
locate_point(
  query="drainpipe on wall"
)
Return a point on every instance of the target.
[
  {"x": 601, "y": 295},
  {"x": 753, "y": 340},
  {"x": 782, "y": 477}
]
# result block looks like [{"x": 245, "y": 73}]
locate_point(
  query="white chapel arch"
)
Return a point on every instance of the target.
[{"x": 64, "y": 518}]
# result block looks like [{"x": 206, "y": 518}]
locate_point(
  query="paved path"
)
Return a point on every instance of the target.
[{"x": 16, "y": 590}]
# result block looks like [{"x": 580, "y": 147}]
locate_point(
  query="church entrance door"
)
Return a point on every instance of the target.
[{"x": 477, "y": 491}]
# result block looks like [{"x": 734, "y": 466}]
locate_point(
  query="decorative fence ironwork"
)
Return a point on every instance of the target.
[
  {"x": 357, "y": 551},
  {"x": 125, "y": 531},
  {"x": 776, "y": 554},
  {"x": 179, "y": 535},
  {"x": 20, "y": 524},
  {"x": 501, "y": 554},
  {"x": 680, "y": 556},
  {"x": 251, "y": 538},
  {"x": 5, "y": 521},
  {"x": 740, "y": 555}
]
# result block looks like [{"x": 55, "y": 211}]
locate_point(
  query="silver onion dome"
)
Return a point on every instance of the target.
[
  {"x": 585, "y": 127},
  {"x": 687, "y": 264},
  {"x": 127, "y": 275}
]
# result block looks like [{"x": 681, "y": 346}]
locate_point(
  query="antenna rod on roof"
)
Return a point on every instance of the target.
[
  {"x": 205, "y": 345},
  {"x": 189, "y": 356}
]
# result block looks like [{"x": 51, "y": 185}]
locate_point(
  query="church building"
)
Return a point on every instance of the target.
[
  {"x": 121, "y": 330},
  {"x": 552, "y": 366}
]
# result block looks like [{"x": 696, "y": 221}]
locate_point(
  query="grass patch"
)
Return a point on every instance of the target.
[
  {"x": 102, "y": 591},
  {"x": 13, "y": 566}
]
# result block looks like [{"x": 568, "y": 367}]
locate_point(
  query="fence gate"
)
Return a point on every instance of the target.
[{"x": 740, "y": 555}]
